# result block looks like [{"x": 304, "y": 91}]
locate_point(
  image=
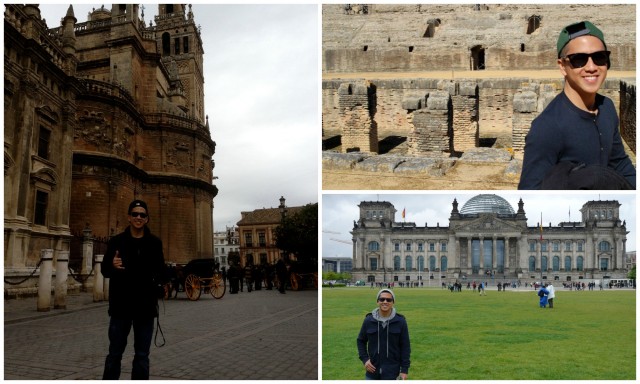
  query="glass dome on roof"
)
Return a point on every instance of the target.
[{"x": 487, "y": 204}]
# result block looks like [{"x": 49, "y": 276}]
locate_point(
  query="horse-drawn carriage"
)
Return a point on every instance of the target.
[{"x": 194, "y": 277}]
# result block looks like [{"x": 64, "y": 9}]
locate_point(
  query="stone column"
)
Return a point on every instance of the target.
[
  {"x": 98, "y": 280},
  {"x": 481, "y": 254},
  {"x": 62, "y": 271},
  {"x": 87, "y": 251},
  {"x": 494, "y": 257},
  {"x": 44, "y": 282},
  {"x": 469, "y": 254}
]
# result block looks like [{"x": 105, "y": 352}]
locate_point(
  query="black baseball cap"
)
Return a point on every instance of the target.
[{"x": 138, "y": 203}]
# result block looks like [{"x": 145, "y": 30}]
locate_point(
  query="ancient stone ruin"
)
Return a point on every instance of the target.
[{"x": 434, "y": 81}]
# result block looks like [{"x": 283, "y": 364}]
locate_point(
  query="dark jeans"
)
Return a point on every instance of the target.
[{"x": 119, "y": 329}]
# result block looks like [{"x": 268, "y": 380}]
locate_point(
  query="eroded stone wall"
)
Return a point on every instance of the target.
[
  {"x": 425, "y": 37},
  {"x": 401, "y": 108}
]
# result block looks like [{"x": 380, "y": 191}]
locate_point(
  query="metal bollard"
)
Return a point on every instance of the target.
[
  {"x": 62, "y": 272},
  {"x": 98, "y": 280},
  {"x": 44, "y": 282}
]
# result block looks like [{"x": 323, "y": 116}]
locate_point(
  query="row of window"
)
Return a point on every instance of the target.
[
  {"x": 602, "y": 246},
  {"x": 408, "y": 262},
  {"x": 375, "y": 215},
  {"x": 375, "y": 246},
  {"x": 555, "y": 263}
]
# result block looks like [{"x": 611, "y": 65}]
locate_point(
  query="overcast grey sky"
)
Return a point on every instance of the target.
[
  {"x": 340, "y": 210},
  {"x": 261, "y": 74}
]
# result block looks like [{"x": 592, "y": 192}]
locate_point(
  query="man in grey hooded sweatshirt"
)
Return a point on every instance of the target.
[{"x": 383, "y": 342}]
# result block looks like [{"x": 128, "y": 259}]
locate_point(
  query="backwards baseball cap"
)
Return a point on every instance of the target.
[
  {"x": 583, "y": 28},
  {"x": 138, "y": 203},
  {"x": 388, "y": 291}
]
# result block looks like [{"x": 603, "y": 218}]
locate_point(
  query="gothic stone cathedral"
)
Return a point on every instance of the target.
[
  {"x": 488, "y": 239},
  {"x": 99, "y": 113}
]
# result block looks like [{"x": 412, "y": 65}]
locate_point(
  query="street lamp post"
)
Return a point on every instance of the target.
[{"x": 283, "y": 215}]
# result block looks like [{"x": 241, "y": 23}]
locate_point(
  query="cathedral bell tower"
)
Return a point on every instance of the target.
[{"x": 180, "y": 45}]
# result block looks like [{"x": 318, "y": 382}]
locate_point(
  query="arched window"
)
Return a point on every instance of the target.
[
  {"x": 443, "y": 263},
  {"x": 556, "y": 263},
  {"x": 432, "y": 263},
  {"x": 532, "y": 263},
  {"x": 166, "y": 44},
  {"x": 396, "y": 263},
  {"x": 408, "y": 263},
  {"x": 544, "y": 265},
  {"x": 420, "y": 263},
  {"x": 604, "y": 246},
  {"x": 567, "y": 263},
  {"x": 579, "y": 263},
  {"x": 374, "y": 246}
]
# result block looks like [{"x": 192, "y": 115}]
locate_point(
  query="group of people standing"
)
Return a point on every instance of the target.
[
  {"x": 546, "y": 293},
  {"x": 252, "y": 276}
]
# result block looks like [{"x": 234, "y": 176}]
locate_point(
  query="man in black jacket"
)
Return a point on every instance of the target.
[
  {"x": 383, "y": 342},
  {"x": 134, "y": 262}
]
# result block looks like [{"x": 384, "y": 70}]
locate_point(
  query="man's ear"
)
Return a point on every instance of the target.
[{"x": 563, "y": 70}]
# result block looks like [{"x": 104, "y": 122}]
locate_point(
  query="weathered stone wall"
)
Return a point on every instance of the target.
[
  {"x": 421, "y": 37},
  {"x": 476, "y": 105},
  {"x": 628, "y": 113}
]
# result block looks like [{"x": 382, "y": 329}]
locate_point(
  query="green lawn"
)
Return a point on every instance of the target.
[{"x": 589, "y": 335}]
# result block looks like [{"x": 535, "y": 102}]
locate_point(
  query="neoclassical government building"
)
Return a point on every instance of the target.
[{"x": 485, "y": 239}]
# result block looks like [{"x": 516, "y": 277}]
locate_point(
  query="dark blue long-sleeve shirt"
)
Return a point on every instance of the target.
[{"x": 564, "y": 132}]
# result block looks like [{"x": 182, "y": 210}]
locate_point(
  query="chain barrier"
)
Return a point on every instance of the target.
[{"x": 26, "y": 278}]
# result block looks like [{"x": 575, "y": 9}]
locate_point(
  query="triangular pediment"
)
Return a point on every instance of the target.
[{"x": 487, "y": 222}]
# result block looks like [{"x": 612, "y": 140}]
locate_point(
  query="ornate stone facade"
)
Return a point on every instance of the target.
[
  {"x": 99, "y": 113},
  {"x": 482, "y": 242}
]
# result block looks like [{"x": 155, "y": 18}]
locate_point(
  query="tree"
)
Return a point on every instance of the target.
[
  {"x": 298, "y": 235},
  {"x": 632, "y": 273}
]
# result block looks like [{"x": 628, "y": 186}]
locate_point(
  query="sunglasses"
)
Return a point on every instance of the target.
[
  {"x": 579, "y": 60},
  {"x": 138, "y": 214},
  {"x": 387, "y": 299}
]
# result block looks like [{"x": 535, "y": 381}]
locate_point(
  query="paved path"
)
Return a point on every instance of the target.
[{"x": 257, "y": 335}]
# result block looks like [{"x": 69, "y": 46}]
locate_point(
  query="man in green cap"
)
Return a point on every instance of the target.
[{"x": 579, "y": 129}]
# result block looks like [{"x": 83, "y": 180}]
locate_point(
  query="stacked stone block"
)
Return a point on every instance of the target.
[
  {"x": 525, "y": 109},
  {"x": 431, "y": 131},
  {"x": 359, "y": 132},
  {"x": 465, "y": 116}
]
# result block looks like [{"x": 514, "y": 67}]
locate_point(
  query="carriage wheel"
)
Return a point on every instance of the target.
[
  {"x": 192, "y": 287},
  {"x": 295, "y": 282},
  {"x": 218, "y": 286}
]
